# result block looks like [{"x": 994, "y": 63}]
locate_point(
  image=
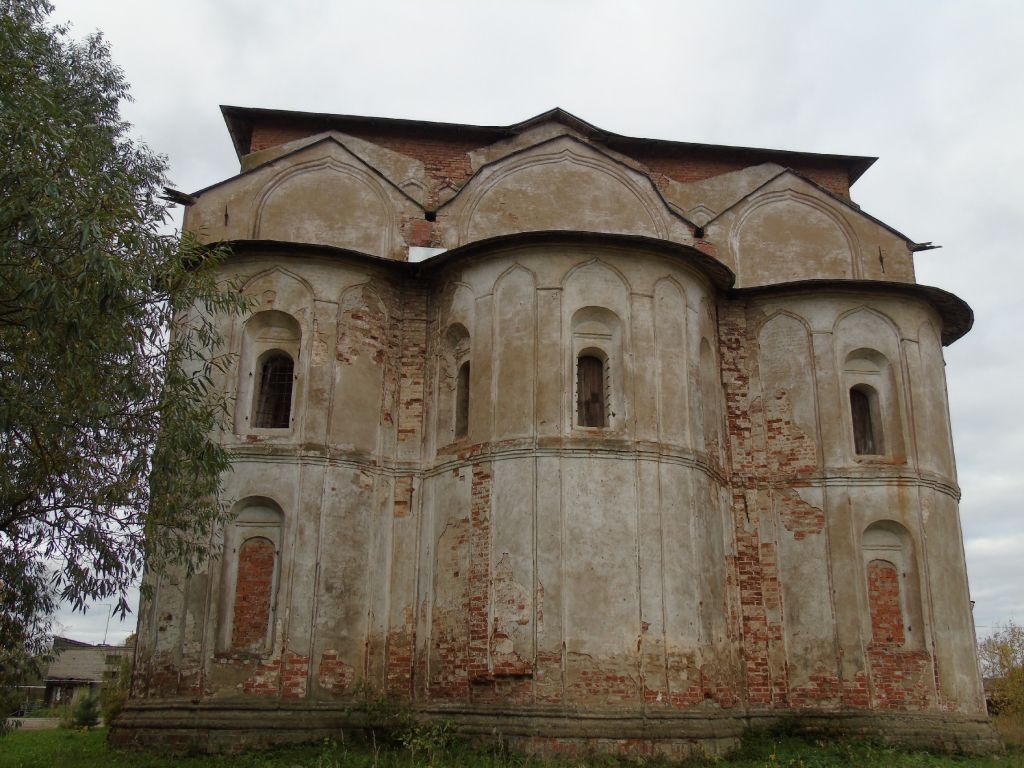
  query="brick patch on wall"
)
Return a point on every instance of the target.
[
  {"x": 884, "y": 601},
  {"x": 255, "y": 580},
  {"x": 791, "y": 451},
  {"x": 797, "y": 516},
  {"x": 334, "y": 674}
]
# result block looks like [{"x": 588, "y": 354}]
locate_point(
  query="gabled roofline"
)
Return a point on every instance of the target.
[
  {"x": 912, "y": 245},
  {"x": 238, "y": 119},
  {"x": 239, "y": 122},
  {"x": 186, "y": 199},
  {"x": 559, "y": 115},
  {"x": 523, "y": 150}
]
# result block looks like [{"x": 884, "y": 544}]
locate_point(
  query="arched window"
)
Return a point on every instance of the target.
[
  {"x": 453, "y": 384},
  {"x": 269, "y": 395},
  {"x": 867, "y": 432},
  {"x": 590, "y": 391},
  {"x": 274, "y": 396},
  {"x": 874, "y": 415},
  {"x": 462, "y": 401},
  {"x": 598, "y": 369}
]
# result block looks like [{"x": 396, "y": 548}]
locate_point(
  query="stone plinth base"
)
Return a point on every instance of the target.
[{"x": 234, "y": 726}]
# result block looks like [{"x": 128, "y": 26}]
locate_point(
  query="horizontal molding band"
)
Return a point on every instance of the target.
[{"x": 490, "y": 452}]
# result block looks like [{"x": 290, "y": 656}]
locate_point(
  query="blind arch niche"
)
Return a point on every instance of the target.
[{"x": 250, "y": 577}]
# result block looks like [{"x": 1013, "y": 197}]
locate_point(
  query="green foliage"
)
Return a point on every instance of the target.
[
  {"x": 106, "y": 416},
  {"x": 78, "y": 749},
  {"x": 114, "y": 693},
  {"x": 430, "y": 740},
  {"x": 1002, "y": 664},
  {"x": 11, "y": 700},
  {"x": 86, "y": 712}
]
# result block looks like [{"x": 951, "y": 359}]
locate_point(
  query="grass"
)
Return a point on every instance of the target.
[
  {"x": 1011, "y": 729},
  {"x": 78, "y": 749}
]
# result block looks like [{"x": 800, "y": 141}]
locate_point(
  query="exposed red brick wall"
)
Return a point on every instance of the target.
[
  {"x": 362, "y": 328},
  {"x": 412, "y": 365},
  {"x": 294, "y": 674},
  {"x": 283, "y": 676},
  {"x": 480, "y": 571},
  {"x": 855, "y": 692},
  {"x": 274, "y": 134},
  {"x": 445, "y": 155},
  {"x": 900, "y": 678},
  {"x": 798, "y": 517},
  {"x": 445, "y": 159},
  {"x": 686, "y": 165},
  {"x": 791, "y": 451},
  {"x": 334, "y": 674},
  {"x": 594, "y": 684},
  {"x": 252, "y": 594},
  {"x": 400, "y": 659},
  {"x": 884, "y": 601},
  {"x": 755, "y": 563},
  {"x": 265, "y": 679},
  {"x": 449, "y": 628},
  {"x": 822, "y": 689}
]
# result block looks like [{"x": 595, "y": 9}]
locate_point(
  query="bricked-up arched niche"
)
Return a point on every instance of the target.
[
  {"x": 893, "y": 587},
  {"x": 872, "y": 404},
  {"x": 268, "y": 371},
  {"x": 251, "y": 571},
  {"x": 597, "y": 368},
  {"x": 455, "y": 370}
]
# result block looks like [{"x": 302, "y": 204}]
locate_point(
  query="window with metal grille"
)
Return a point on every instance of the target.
[
  {"x": 462, "y": 401},
  {"x": 590, "y": 392},
  {"x": 274, "y": 398}
]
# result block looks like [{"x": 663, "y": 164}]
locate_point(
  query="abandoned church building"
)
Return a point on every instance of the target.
[{"x": 589, "y": 441}]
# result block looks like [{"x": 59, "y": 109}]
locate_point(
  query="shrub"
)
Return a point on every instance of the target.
[
  {"x": 115, "y": 693},
  {"x": 86, "y": 712},
  {"x": 10, "y": 703}
]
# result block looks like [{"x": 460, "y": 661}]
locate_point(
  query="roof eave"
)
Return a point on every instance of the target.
[{"x": 239, "y": 122}]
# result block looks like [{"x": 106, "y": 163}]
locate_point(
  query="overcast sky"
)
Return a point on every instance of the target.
[{"x": 934, "y": 89}]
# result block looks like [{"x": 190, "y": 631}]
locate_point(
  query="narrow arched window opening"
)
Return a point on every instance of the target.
[
  {"x": 590, "y": 392},
  {"x": 867, "y": 436},
  {"x": 274, "y": 397},
  {"x": 462, "y": 401}
]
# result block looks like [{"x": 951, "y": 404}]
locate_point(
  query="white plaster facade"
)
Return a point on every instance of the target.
[{"x": 456, "y": 538}]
